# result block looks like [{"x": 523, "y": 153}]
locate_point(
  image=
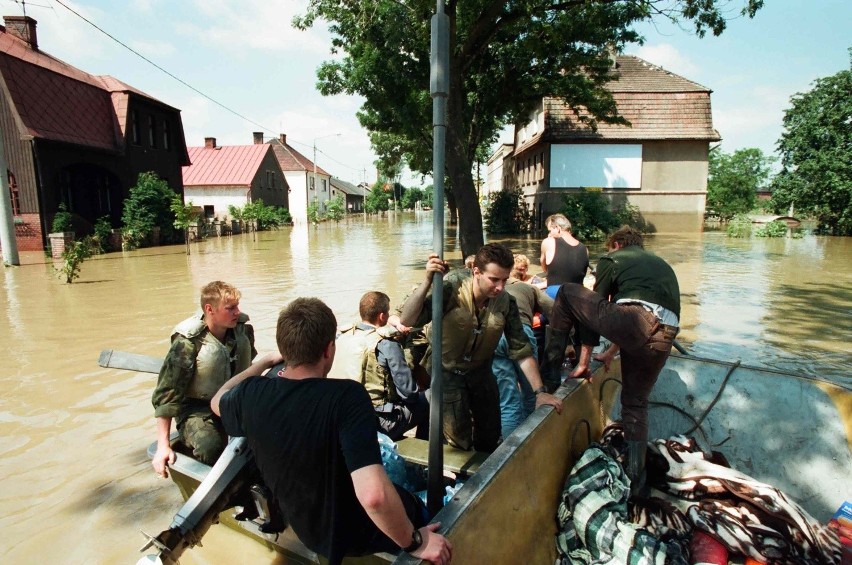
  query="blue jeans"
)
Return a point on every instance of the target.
[{"x": 515, "y": 403}]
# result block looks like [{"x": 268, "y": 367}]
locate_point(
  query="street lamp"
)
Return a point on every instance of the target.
[{"x": 315, "y": 155}]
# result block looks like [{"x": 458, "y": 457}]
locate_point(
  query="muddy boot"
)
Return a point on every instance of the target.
[
  {"x": 554, "y": 355},
  {"x": 635, "y": 467}
]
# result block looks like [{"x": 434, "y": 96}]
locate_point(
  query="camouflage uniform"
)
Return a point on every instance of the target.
[{"x": 180, "y": 396}]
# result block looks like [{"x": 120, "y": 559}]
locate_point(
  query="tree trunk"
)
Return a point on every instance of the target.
[{"x": 459, "y": 169}]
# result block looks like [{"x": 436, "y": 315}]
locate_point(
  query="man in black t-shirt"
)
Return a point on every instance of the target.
[{"x": 315, "y": 443}]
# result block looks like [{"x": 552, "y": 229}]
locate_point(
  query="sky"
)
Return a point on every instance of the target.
[{"x": 250, "y": 70}]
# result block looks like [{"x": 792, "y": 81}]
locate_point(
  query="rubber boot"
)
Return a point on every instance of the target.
[
  {"x": 554, "y": 355},
  {"x": 635, "y": 467}
]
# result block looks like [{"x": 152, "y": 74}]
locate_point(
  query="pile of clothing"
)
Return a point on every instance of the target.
[{"x": 687, "y": 490}]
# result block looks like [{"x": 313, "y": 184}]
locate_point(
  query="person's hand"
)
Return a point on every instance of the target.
[
  {"x": 581, "y": 372},
  {"x": 436, "y": 548},
  {"x": 162, "y": 459},
  {"x": 544, "y": 398},
  {"x": 435, "y": 265},
  {"x": 604, "y": 358},
  {"x": 397, "y": 324}
]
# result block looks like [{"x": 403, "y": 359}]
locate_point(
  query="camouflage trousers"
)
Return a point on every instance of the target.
[
  {"x": 202, "y": 431},
  {"x": 471, "y": 408}
]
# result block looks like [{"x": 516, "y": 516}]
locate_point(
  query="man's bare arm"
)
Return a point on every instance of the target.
[
  {"x": 414, "y": 305},
  {"x": 529, "y": 366},
  {"x": 256, "y": 369},
  {"x": 380, "y": 500}
]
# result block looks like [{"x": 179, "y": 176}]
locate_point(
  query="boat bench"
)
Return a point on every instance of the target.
[{"x": 456, "y": 460}]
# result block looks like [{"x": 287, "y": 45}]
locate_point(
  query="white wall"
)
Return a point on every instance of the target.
[
  {"x": 605, "y": 165},
  {"x": 296, "y": 180},
  {"x": 220, "y": 197}
]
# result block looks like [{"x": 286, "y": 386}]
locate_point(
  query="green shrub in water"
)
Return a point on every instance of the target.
[
  {"x": 739, "y": 226},
  {"x": 72, "y": 258},
  {"x": 62, "y": 221},
  {"x": 774, "y": 228},
  {"x": 506, "y": 212}
]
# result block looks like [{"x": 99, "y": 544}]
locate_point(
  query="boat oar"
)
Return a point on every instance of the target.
[{"x": 112, "y": 359}]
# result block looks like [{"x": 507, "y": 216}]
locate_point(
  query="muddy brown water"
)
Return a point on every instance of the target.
[{"x": 77, "y": 486}]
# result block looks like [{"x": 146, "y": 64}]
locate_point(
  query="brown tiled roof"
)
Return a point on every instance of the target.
[
  {"x": 59, "y": 102},
  {"x": 346, "y": 187},
  {"x": 292, "y": 160},
  {"x": 658, "y": 104},
  {"x": 229, "y": 165}
]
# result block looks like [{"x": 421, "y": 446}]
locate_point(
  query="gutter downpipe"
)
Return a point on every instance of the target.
[
  {"x": 7, "y": 221},
  {"x": 439, "y": 90}
]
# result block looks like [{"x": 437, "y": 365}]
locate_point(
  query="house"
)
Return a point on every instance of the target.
[
  {"x": 75, "y": 138},
  {"x": 309, "y": 184},
  {"x": 658, "y": 163},
  {"x": 499, "y": 171},
  {"x": 354, "y": 194},
  {"x": 233, "y": 175}
]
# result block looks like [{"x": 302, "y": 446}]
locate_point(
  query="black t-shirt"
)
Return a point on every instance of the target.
[
  {"x": 569, "y": 264},
  {"x": 307, "y": 437}
]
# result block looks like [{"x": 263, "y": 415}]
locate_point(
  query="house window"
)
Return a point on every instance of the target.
[
  {"x": 134, "y": 128},
  {"x": 312, "y": 183},
  {"x": 270, "y": 179},
  {"x": 152, "y": 134},
  {"x": 209, "y": 212},
  {"x": 167, "y": 136},
  {"x": 14, "y": 194},
  {"x": 324, "y": 185}
]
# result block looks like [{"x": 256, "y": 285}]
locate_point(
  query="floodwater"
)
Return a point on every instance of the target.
[{"x": 76, "y": 484}]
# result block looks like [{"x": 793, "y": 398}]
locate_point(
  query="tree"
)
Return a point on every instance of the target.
[
  {"x": 410, "y": 198},
  {"x": 816, "y": 154},
  {"x": 506, "y": 213},
  {"x": 377, "y": 199},
  {"x": 72, "y": 258},
  {"x": 504, "y": 58},
  {"x": 148, "y": 206},
  {"x": 734, "y": 180},
  {"x": 185, "y": 216},
  {"x": 335, "y": 210}
]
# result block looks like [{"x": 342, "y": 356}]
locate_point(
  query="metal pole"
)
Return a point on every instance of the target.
[
  {"x": 7, "y": 222},
  {"x": 439, "y": 89}
]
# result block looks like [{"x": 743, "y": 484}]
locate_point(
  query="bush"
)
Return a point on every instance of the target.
[
  {"x": 335, "y": 209},
  {"x": 314, "y": 214},
  {"x": 377, "y": 199},
  {"x": 739, "y": 226},
  {"x": 103, "y": 232},
  {"x": 62, "y": 220},
  {"x": 73, "y": 257},
  {"x": 410, "y": 198},
  {"x": 775, "y": 228},
  {"x": 592, "y": 217},
  {"x": 506, "y": 212},
  {"x": 147, "y": 206}
]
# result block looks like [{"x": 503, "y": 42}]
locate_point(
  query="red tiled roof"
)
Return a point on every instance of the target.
[
  {"x": 229, "y": 165},
  {"x": 292, "y": 160},
  {"x": 658, "y": 104},
  {"x": 60, "y": 102}
]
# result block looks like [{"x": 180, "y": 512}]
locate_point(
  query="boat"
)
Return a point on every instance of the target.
[{"x": 791, "y": 431}]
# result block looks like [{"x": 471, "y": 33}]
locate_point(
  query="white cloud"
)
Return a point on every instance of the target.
[
  {"x": 667, "y": 56},
  {"x": 153, "y": 49}
]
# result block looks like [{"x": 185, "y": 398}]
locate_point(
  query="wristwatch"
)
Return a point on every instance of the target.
[
  {"x": 416, "y": 542},
  {"x": 540, "y": 389}
]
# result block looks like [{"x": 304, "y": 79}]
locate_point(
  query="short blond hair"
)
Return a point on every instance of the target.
[{"x": 217, "y": 292}]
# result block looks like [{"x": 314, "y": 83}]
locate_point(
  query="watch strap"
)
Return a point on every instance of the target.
[{"x": 416, "y": 542}]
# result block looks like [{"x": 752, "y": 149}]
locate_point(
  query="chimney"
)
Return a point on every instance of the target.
[
  {"x": 612, "y": 53},
  {"x": 282, "y": 137},
  {"x": 210, "y": 142},
  {"x": 258, "y": 137},
  {"x": 22, "y": 27}
]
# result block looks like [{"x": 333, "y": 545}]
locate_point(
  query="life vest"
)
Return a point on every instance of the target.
[
  {"x": 469, "y": 341},
  {"x": 214, "y": 363},
  {"x": 356, "y": 358}
]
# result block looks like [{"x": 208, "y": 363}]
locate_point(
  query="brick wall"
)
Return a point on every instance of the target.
[{"x": 28, "y": 234}]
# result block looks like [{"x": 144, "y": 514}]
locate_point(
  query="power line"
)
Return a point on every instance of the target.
[{"x": 146, "y": 59}]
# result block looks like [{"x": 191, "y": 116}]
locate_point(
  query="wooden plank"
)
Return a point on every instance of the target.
[
  {"x": 456, "y": 460},
  {"x": 112, "y": 359}
]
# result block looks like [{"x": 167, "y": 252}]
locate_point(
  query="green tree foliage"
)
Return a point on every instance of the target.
[
  {"x": 314, "y": 214},
  {"x": 335, "y": 209},
  {"x": 377, "y": 199},
  {"x": 816, "y": 155},
  {"x": 739, "y": 226},
  {"x": 102, "y": 235},
  {"x": 259, "y": 216},
  {"x": 185, "y": 217},
  {"x": 506, "y": 213},
  {"x": 411, "y": 197},
  {"x": 593, "y": 217},
  {"x": 62, "y": 220},
  {"x": 776, "y": 228},
  {"x": 504, "y": 58},
  {"x": 734, "y": 180},
  {"x": 427, "y": 197},
  {"x": 72, "y": 259},
  {"x": 148, "y": 206}
]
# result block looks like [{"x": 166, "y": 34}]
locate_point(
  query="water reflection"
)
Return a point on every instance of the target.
[{"x": 77, "y": 485}]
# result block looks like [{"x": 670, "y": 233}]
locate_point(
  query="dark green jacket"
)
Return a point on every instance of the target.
[{"x": 632, "y": 272}]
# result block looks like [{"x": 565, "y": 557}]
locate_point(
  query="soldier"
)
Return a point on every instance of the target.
[
  {"x": 207, "y": 349},
  {"x": 366, "y": 354}
]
